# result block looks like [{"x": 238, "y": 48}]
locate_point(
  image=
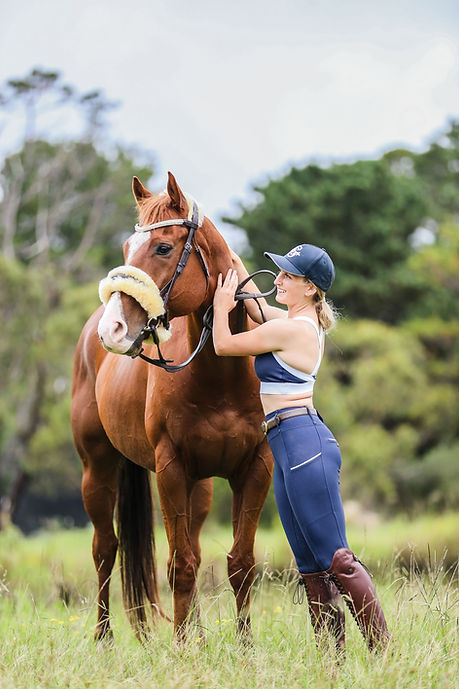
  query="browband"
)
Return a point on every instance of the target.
[
  {"x": 195, "y": 218},
  {"x": 163, "y": 223}
]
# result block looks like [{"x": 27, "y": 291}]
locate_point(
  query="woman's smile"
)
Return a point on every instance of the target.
[{"x": 289, "y": 287}]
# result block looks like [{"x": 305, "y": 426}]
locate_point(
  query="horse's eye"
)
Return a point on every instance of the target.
[{"x": 163, "y": 249}]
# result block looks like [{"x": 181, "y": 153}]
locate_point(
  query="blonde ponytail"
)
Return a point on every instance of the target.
[{"x": 325, "y": 311}]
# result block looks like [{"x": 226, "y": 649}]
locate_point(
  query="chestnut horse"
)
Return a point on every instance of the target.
[{"x": 130, "y": 418}]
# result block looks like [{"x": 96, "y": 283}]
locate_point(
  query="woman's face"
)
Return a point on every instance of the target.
[{"x": 292, "y": 289}]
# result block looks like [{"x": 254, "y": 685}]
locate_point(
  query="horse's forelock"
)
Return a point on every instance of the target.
[
  {"x": 158, "y": 207},
  {"x": 155, "y": 208}
]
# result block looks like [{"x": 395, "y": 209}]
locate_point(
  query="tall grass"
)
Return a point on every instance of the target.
[{"x": 48, "y": 611}]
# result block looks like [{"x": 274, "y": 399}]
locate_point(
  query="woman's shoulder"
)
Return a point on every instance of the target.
[
  {"x": 285, "y": 333},
  {"x": 294, "y": 324},
  {"x": 280, "y": 324},
  {"x": 308, "y": 320}
]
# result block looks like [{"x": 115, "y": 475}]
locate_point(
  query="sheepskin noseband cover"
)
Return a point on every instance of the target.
[{"x": 141, "y": 287}]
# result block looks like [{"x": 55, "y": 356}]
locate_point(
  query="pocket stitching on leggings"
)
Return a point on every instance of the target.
[{"x": 297, "y": 466}]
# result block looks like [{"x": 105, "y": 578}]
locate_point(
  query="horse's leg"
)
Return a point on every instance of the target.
[
  {"x": 175, "y": 494},
  {"x": 200, "y": 504},
  {"x": 249, "y": 494},
  {"x": 99, "y": 490},
  {"x": 99, "y": 487}
]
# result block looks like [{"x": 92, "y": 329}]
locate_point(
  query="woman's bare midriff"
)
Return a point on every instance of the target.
[{"x": 272, "y": 402}]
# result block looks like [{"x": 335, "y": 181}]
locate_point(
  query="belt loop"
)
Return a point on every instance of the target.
[{"x": 278, "y": 420}]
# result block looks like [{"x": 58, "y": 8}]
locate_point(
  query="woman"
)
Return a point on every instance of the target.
[{"x": 288, "y": 347}]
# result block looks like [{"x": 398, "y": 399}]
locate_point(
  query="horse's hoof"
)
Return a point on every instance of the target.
[
  {"x": 201, "y": 640},
  {"x": 104, "y": 636},
  {"x": 244, "y": 634}
]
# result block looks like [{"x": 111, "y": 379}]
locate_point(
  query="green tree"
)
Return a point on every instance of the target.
[
  {"x": 36, "y": 368},
  {"x": 363, "y": 213},
  {"x": 65, "y": 207},
  {"x": 390, "y": 396},
  {"x": 436, "y": 267},
  {"x": 437, "y": 168},
  {"x": 66, "y": 199}
]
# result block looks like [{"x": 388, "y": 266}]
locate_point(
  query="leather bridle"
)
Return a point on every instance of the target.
[
  {"x": 153, "y": 323},
  {"x": 193, "y": 225},
  {"x": 163, "y": 320}
]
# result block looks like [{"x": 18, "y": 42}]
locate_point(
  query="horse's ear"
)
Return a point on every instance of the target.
[
  {"x": 139, "y": 190},
  {"x": 177, "y": 197}
]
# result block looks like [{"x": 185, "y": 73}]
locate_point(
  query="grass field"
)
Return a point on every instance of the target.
[{"x": 48, "y": 610}]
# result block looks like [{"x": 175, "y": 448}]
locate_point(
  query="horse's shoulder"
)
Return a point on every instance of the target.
[{"x": 90, "y": 352}]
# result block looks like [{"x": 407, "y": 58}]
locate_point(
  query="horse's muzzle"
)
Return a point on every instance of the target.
[{"x": 141, "y": 287}]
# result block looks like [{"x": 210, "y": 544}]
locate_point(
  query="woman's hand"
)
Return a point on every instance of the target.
[
  {"x": 269, "y": 337},
  {"x": 224, "y": 293}
]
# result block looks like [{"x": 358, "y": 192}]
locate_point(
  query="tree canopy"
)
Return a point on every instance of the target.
[
  {"x": 66, "y": 205},
  {"x": 366, "y": 214}
]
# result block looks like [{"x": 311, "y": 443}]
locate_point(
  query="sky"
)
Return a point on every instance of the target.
[{"x": 227, "y": 94}]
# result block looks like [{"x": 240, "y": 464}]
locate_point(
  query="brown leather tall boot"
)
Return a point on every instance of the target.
[
  {"x": 356, "y": 586},
  {"x": 325, "y": 609}
]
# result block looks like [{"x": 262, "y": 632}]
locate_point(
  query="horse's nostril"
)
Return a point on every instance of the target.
[{"x": 118, "y": 331}]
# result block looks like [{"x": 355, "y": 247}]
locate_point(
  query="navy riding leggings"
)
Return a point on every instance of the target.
[{"x": 307, "y": 462}]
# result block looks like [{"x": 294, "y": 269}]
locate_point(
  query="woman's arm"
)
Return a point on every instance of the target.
[
  {"x": 270, "y": 336},
  {"x": 270, "y": 312}
]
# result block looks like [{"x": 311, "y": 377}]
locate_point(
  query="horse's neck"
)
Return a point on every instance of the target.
[
  {"x": 207, "y": 356},
  {"x": 221, "y": 261}
]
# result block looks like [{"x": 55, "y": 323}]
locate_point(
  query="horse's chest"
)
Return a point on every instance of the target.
[{"x": 213, "y": 444}]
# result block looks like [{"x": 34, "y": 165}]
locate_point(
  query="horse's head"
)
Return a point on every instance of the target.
[{"x": 165, "y": 274}]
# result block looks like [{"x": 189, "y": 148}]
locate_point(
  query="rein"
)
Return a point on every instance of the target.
[
  {"x": 207, "y": 321},
  {"x": 193, "y": 221}
]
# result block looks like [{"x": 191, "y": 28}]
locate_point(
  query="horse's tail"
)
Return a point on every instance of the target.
[{"x": 136, "y": 546}]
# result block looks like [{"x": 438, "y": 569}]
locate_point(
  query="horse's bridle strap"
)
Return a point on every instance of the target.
[
  {"x": 150, "y": 329},
  {"x": 207, "y": 323},
  {"x": 192, "y": 223},
  {"x": 164, "y": 223},
  {"x": 166, "y": 364}
]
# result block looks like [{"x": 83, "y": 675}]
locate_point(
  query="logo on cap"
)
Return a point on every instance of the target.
[{"x": 294, "y": 252}]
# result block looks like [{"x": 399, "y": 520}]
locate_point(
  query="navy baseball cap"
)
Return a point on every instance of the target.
[{"x": 309, "y": 261}]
